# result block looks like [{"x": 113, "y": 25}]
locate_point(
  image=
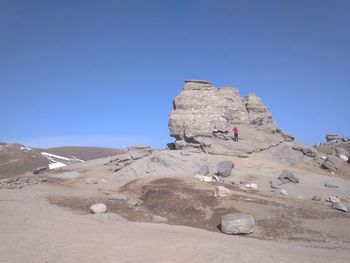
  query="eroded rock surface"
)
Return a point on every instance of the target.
[{"x": 201, "y": 109}]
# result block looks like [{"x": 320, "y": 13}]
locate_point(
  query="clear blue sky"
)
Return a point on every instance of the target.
[{"x": 106, "y": 72}]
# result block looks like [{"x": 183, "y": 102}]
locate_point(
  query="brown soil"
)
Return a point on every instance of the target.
[{"x": 191, "y": 203}]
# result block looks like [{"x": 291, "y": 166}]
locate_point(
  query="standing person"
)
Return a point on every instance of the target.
[{"x": 235, "y": 133}]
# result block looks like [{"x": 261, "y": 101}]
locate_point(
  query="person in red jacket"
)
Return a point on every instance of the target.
[{"x": 235, "y": 133}]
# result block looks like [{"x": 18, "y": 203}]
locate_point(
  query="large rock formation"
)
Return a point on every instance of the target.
[{"x": 201, "y": 109}]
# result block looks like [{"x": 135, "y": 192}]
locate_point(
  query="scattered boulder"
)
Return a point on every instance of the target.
[
  {"x": 224, "y": 168},
  {"x": 333, "y": 199},
  {"x": 343, "y": 157},
  {"x": 251, "y": 186},
  {"x": 316, "y": 198},
  {"x": 280, "y": 191},
  {"x": 122, "y": 158},
  {"x": 203, "y": 170},
  {"x": 339, "y": 206},
  {"x": 332, "y": 163},
  {"x": 91, "y": 180},
  {"x": 40, "y": 169},
  {"x": 136, "y": 154},
  {"x": 287, "y": 137},
  {"x": 275, "y": 183},
  {"x": 330, "y": 185},
  {"x": 342, "y": 151},
  {"x": 237, "y": 223},
  {"x": 332, "y": 137},
  {"x": 98, "y": 208},
  {"x": 118, "y": 167},
  {"x": 206, "y": 179},
  {"x": 221, "y": 191},
  {"x": 289, "y": 176},
  {"x": 19, "y": 182},
  {"x": 283, "y": 192},
  {"x": 306, "y": 151}
]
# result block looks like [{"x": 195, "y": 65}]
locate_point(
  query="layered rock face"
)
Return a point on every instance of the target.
[{"x": 204, "y": 116}]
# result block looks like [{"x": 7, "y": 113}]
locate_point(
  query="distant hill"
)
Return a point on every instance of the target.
[
  {"x": 84, "y": 153},
  {"x": 17, "y": 159}
]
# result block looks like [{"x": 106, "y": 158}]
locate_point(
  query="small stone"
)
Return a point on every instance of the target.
[
  {"x": 330, "y": 185},
  {"x": 40, "y": 170},
  {"x": 275, "y": 183},
  {"x": 98, "y": 208},
  {"x": 203, "y": 170},
  {"x": 221, "y": 191},
  {"x": 289, "y": 176},
  {"x": 339, "y": 206},
  {"x": 237, "y": 223},
  {"x": 333, "y": 199},
  {"x": 283, "y": 192},
  {"x": 245, "y": 189},
  {"x": 343, "y": 157},
  {"x": 206, "y": 179},
  {"x": 92, "y": 180},
  {"x": 252, "y": 186},
  {"x": 224, "y": 168},
  {"x": 341, "y": 151},
  {"x": 216, "y": 178},
  {"x": 316, "y": 198}
]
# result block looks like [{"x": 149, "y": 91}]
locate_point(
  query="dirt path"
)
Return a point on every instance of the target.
[{"x": 34, "y": 231}]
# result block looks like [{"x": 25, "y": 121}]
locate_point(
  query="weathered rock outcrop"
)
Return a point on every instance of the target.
[{"x": 202, "y": 109}]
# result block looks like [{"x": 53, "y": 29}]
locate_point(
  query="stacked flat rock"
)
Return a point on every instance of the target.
[{"x": 201, "y": 108}]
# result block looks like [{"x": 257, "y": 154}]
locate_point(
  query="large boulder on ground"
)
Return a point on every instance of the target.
[
  {"x": 339, "y": 206},
  {"x": 306, "y": 151},
  {"x": 221, "y": 191},
  {"x": 333, "y": 199},
  {"x": 287, "y": 175},
  {"x": 98, "y": 208},
  {"x": 316, "y": 198},
  {"x": 343, "y": 157},
  {"x": 275, "y": 183},
  {"x": 342, "y": 151},
  {"x": 330, "y": 185},
  {"x": 332, "y": 163},
  {"x": 202, "y": 170},
  {"x": 40, "y": 169},
  {"x": 224, "y": 168},
  {"x": 237, "y": 223}
]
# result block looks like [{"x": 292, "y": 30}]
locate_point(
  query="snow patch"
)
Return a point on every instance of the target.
[
  {"x": 56, "y": 165},
  {"x": 26, "y": 148},
  {"x": 55, "y": 156},
  {"x": 77, "y": 159}
]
